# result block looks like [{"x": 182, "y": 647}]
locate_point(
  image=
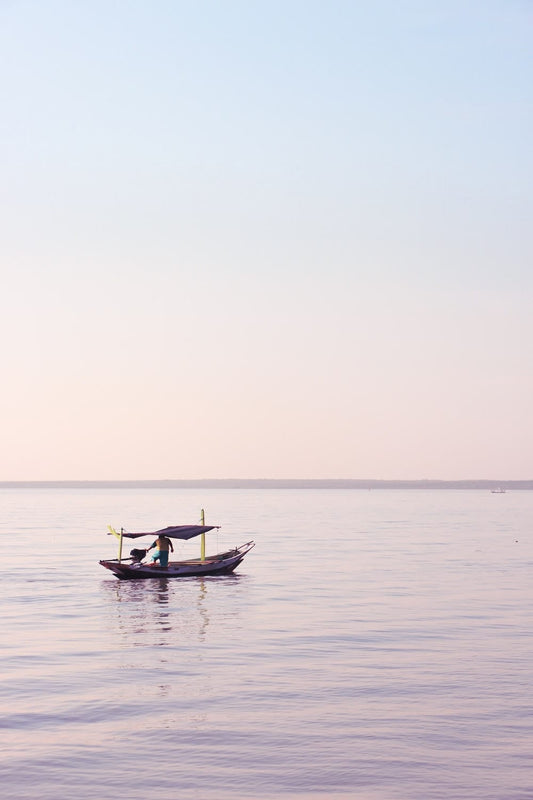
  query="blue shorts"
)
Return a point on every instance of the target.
[{"x": 162, "y": 555}]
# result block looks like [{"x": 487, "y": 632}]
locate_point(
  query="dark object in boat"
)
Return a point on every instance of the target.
[{"x": 137, "y": 555}]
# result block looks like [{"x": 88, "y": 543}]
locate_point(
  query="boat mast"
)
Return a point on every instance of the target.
[
  {"x": 202, "y": 537},
  {"x": 120, "y": 545}
]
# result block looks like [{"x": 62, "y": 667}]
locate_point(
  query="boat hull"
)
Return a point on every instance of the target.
[{"x": 220, "y": 564}]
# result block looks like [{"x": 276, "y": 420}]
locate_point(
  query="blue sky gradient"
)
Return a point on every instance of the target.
[{"x": 251, "y": 239}]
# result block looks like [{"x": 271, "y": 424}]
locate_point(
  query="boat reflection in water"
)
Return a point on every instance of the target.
[
  {"x": 166, "y": 613},
  {"x": 165, "y": 633}
]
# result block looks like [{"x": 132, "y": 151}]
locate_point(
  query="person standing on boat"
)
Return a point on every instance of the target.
[{"x": 162, "y": 545}]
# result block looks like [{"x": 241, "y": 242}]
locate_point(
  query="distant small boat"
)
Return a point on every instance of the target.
[
  {"x": 498, "y": 490},
  {"x": 134, "y": 567}
]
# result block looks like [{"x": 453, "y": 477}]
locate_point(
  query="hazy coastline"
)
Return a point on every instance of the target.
[{"x": 273, "y": 483}]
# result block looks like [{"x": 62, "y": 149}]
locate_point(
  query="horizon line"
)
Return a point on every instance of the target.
[{"x": 288, "y": 483}]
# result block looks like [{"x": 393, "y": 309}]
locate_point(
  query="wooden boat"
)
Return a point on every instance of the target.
[{"x": 135, "y": 567}]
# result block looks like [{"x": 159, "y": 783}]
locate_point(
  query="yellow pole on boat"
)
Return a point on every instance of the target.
[
  {"x": 202, "y": 537},
  {"x": 119, "y": 537}
]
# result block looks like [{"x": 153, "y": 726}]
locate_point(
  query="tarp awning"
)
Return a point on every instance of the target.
[{"x": 174, "y": 532}]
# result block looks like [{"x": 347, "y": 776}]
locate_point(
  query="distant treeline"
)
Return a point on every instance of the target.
[{"x": 270, "y": 483}]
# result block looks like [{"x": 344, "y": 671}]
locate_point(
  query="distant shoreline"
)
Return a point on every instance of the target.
[{"x": 272, "y": 483}]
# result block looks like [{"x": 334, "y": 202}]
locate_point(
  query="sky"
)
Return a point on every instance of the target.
[{"x": 265, "y": 239}]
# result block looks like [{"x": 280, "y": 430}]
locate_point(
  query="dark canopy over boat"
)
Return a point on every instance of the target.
[{"x": 174, "y": 532}]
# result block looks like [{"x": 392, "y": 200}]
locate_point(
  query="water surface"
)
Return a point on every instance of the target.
[{"x": 374, "y": 645}]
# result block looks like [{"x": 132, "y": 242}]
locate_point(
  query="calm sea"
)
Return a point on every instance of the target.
[{"x": 375, "y": 645}]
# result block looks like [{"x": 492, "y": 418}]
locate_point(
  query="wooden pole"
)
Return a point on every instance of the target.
[{"x": 202, "y": 537}]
